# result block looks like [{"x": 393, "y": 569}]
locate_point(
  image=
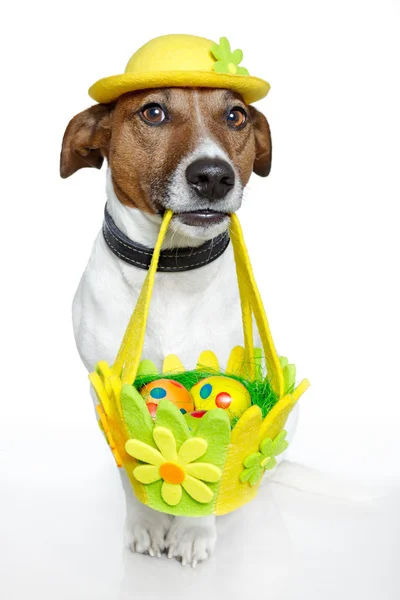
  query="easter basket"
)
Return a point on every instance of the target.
[{"x": 196, "y": 443}]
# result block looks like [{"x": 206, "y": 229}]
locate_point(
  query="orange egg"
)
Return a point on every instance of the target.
[{"x": 167, "y": 389}]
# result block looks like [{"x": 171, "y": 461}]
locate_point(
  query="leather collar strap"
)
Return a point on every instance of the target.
[{"x": 172, "y": 260}]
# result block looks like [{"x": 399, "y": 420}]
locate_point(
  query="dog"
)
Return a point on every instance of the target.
[{"x": 191, "y": 150}]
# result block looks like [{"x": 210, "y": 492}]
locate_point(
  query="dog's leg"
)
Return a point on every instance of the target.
[
  {"x": 145, "y": 528},
  {"x": 191, "y": 540}
]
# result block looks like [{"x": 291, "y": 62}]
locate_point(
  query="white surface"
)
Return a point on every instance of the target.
[
  {"x": 62, "y": 533},
  {"x": 323, "y": 234}
]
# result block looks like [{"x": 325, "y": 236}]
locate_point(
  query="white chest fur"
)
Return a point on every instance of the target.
[{"x": 189, "y": 312}]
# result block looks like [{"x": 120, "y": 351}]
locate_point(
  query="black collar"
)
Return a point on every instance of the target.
[{"x": 171, "y": 261}]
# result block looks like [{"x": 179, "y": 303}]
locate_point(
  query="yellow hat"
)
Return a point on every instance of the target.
[{"x": 182, "y": 61}]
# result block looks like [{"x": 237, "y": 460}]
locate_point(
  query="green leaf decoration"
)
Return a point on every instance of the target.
[
  {"x": 147, "y": 367},
  {"x": 192, "y": 423},
  {"x": 217, "y": 52},
  {"x": 168, "y": 415},
  {"x": 270, "y": 464},
  {"x": 220, "y": 67},
  {"x": 137, "y": 417},
  {"x": 215, "y": 427},
  {"x": 255, "y": 477},
  {"x": 245, "y": 475},
  {"x": 237, "y": 56},
  {"x": 289, "y": 374},
  {"x": 256, "y": 464},
  {"x": 280, "y": 444},
  {"x": 283, "y": 361},
  {"x": 253, "y": 460},
  {"x": 267, "y": 448},
  {"x": 242, "y": 71},
  {"x": 227, "y": 62}
]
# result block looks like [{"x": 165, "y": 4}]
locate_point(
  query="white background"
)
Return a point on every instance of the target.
[{"x": 322, "y": 231}]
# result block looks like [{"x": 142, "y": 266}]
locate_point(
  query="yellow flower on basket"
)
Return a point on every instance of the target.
[{"x": 177, "y": 469}]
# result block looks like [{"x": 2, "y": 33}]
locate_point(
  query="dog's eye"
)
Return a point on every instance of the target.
[
  {"x": 237, "y": 117},
  {"x": 153, "y": 114}
]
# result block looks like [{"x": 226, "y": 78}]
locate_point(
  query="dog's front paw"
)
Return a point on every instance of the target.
[
  {"x": 191, "y": 540},
  {"x": 146, "y": 534}
]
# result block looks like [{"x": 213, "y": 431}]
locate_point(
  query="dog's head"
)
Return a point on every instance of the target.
[{"x": 190, "y": 150}]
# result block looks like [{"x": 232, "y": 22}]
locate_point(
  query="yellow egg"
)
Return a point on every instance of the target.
[{"x": 221, "y": 392}]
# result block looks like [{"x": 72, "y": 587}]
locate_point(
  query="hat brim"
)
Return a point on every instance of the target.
[{"x": 110, "y": 88}]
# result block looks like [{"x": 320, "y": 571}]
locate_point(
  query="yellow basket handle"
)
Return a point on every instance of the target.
[
  {"x": 251, "y": 303},
  {"x": 128, "y": 358},
  {"x": 129, "y": 355}
]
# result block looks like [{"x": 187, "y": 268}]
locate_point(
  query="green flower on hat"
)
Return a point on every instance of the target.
[
  {"x": 264, "y": 460},
  {"x": 226, "y": 60}
]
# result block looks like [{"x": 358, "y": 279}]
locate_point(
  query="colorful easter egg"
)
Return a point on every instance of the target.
[
  {"x": 170, "y": 390},
  {"x": 221, "y": 392}
]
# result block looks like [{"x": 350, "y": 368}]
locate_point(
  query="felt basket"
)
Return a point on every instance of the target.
[{"x": 211, "y": 467}]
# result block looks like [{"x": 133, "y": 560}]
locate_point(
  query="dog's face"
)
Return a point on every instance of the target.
[{"x": 190, "y": 150}]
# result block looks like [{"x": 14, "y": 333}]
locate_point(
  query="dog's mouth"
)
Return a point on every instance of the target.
[{"x": 202, "y": 218}]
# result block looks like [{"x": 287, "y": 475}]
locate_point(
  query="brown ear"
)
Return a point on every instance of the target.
[
  {"x": 262, "y": 161},
  {"x": 86, "y": 140}
]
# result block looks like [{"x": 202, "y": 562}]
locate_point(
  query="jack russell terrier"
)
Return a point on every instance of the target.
[{"x": 191, "y": 150}]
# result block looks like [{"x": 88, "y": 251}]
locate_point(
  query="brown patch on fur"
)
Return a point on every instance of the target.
[
  {"x": 262, "y": 134},
  {"x": 239, "y": 145},
  {"x": 143, "y": 157},
  {"x": 86, "y": 140}
]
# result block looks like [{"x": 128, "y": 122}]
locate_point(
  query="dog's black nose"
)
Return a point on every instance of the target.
[{"x": 211, "y": 178}]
